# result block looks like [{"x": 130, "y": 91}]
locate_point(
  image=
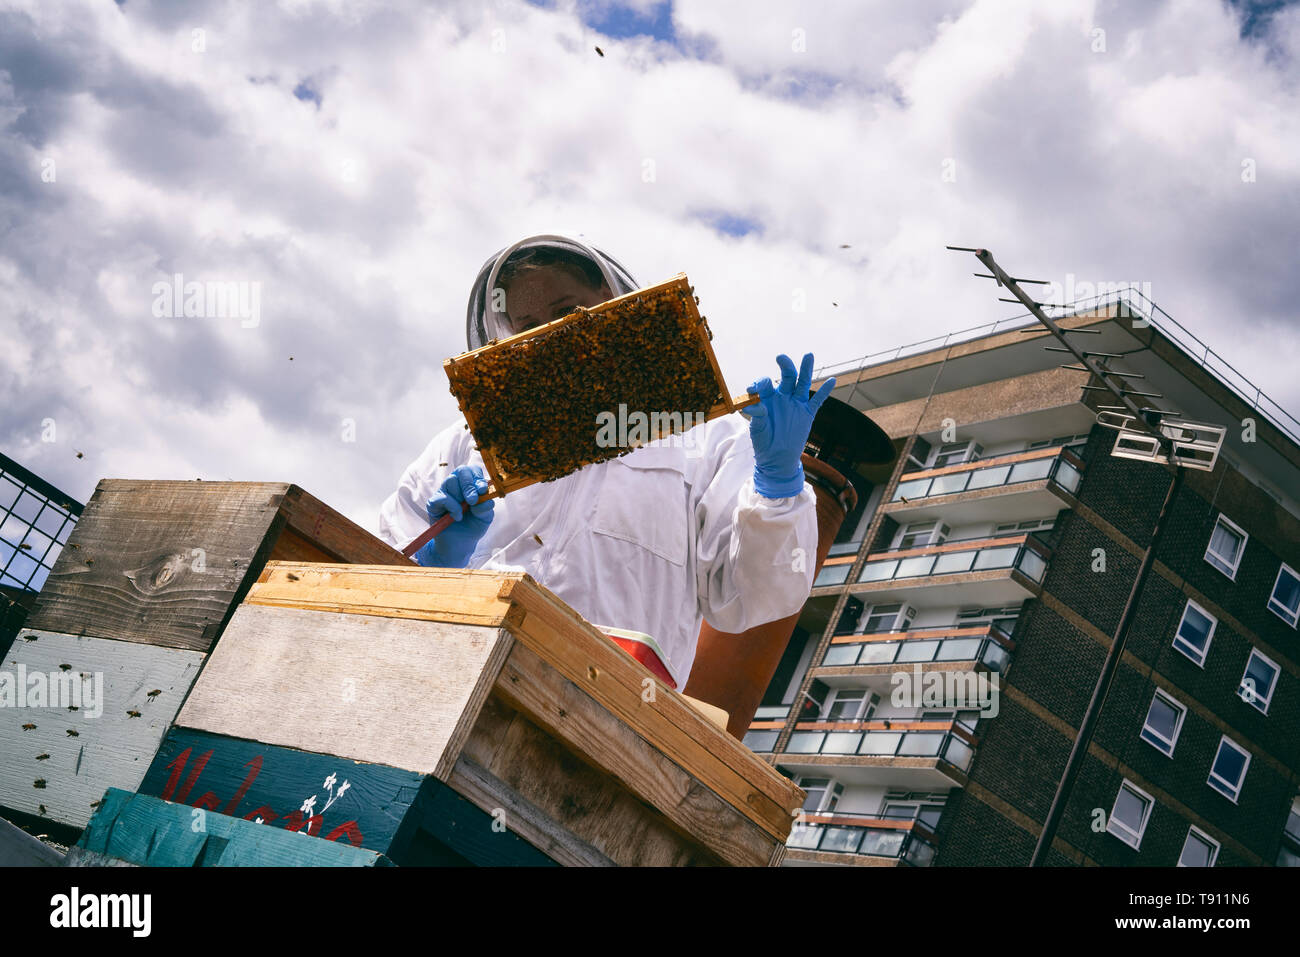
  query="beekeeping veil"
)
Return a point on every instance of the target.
[{"x": 483, "y": 323}]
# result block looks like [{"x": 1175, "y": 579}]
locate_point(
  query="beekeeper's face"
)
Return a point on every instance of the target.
[{"x": 544, "y": 295}]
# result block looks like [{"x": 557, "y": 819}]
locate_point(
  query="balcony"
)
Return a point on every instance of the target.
[
  {"x": 870, "y": 660},
  {"x": 916, "y": 755},
  {"x": 764, "y": 729},
  {"x": 858, "y": 839},
  {"x": 1002, "y": 489},
  {"x": 985, "y": 571}
]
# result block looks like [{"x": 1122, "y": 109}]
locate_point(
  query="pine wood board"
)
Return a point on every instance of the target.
[{"x": 570, "y": 715}]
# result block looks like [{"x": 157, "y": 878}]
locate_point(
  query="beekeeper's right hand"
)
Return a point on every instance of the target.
[{"x": 454, "y": 546}]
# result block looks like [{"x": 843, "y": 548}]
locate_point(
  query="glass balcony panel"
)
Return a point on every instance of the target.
[
  {"x": 959, "y": 649},
  {"x": 1028, "y": 471},
  {"x": 919, "y": 853},
  {"x": 843, "y": 839},
  {"x": 1001, "y": 557},
  {"x": 949, "y": 484},
  {"x": 878, "y": 571},
  {"x": 958, "y": 753},
  {"x": 917, "y": 650},
  {"x": 804, "y": 836},
  {"x": 879, "y": 652},
  {"x": 842, "y": 654},
  {"x": 806, "y": 742},
  {"x": 1032, "y": 564},
  {"x": 917, "y": 488},
  {"x": 883, "y": 843},
  {"x": 987, "y": 478},
  {"x": 833, "y": 575},
  {"x": 923, "y": 744},
  {"x": 842, "y": 742},
  {"x": 1067, "y": 476},
  {"x": 760, "y": 742},
  {"x": 914, "y": 567},
  {"x": 951, "y": 562},
  {"x": 995, "y": 657},
  {"x": 880, "y": 742}
]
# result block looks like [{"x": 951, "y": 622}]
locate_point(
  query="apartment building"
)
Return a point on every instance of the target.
[{"x": 943, "y": 663}]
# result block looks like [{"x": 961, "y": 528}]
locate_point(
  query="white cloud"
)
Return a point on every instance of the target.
[{"x": 444, "y": 133}]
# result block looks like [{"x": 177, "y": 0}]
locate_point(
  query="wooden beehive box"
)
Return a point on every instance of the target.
[
  {"x": 137, "y": 599},
  {"x": 532, "y": 399},
  {"x": 474, "y": 716}
]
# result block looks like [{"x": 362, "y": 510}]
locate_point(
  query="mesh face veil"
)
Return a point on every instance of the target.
[{"x": 483, "y": 323}]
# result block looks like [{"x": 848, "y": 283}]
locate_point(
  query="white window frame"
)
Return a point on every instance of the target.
[
  {"x": 1121, "y": 831},
  {"x": 1275, "y": 606},
  {"x": 1200, "y": 835},
  {"x": 1255, "y": 698},
  {"x": 833, "y": 790},
  {"x": 938, "y": 534},
  {"x": 902, "y": 618},
  {"x": 1178, "y": 724},
  {"x": 1225, "y": 740},
  {"x": 1205, "y": 652},
  {"x": 970, "y": 450},
  {"x": 866, "y": 707},
  {"x": 1245, "y": 537}
]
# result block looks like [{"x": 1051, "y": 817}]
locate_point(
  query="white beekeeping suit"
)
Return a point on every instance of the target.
[{"x": 652, "y": 542}]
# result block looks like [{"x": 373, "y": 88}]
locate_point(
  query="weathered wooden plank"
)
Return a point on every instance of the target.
[
  {"x": 559, "y": 706},
  {"x": 336, "y": 534},
  {"x": 365, "y": 805},
  {"x": 387, "y": 691},
  {"x": 523, "y": 816},
  {"x": 161, "y": 563},
  {"x": 165, "y": 563},
  {"x": 593, "y": 806},
  {"x": 718, "y": 760},
  {"x": 20, "y": 849},
  {"x": 58, "y": 761},
  {"x": 150, "y": 832}
]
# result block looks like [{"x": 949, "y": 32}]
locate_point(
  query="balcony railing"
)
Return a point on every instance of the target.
[
  {"x": 1058, "y": 464},
  {"x": 987, "y": 644},
  {"x": 910, "y": 842},
  {"x": 949, "y": 741},
  {"x": 1022, "y": 552}
]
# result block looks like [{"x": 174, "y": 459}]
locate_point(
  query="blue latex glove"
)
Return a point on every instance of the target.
[
  {"x": 779, "y": 425},
  {"x": 453, "y": 547}
]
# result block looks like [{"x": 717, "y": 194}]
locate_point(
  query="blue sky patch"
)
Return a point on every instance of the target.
[
  {"x": 307, "y": 93},
  {"x": 730, "y": 224}
]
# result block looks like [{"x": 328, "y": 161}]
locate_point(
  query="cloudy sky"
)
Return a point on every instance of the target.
[{"x": 355, "y": 163}]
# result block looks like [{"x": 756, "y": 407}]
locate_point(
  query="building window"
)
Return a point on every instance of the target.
[
  {"x": 823, "y": 794},
  {"x": 1129, "y": 816},
  {"x": 1199, "y": 850},
  {"x": 1227, "y": 542},
  {"x": 1194, "y": 632},
  {"x": 852, "y": 704},
  {"x": 1258, "y": 682},
  {"x": 1285, "y": 600},
  {"x": 1229, "y": 769},
  {"x": 920, "y": 453},
  {"x": 885, "y": 618},
  {"x": 956, "y": 453},
  {"x": 921, "y": 534},
  {"x": 1020, "y": 528},
  {"x": 1164, "y": 721}
]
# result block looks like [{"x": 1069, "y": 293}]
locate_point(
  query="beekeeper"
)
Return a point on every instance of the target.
[{"x": 715, "y": 524}]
